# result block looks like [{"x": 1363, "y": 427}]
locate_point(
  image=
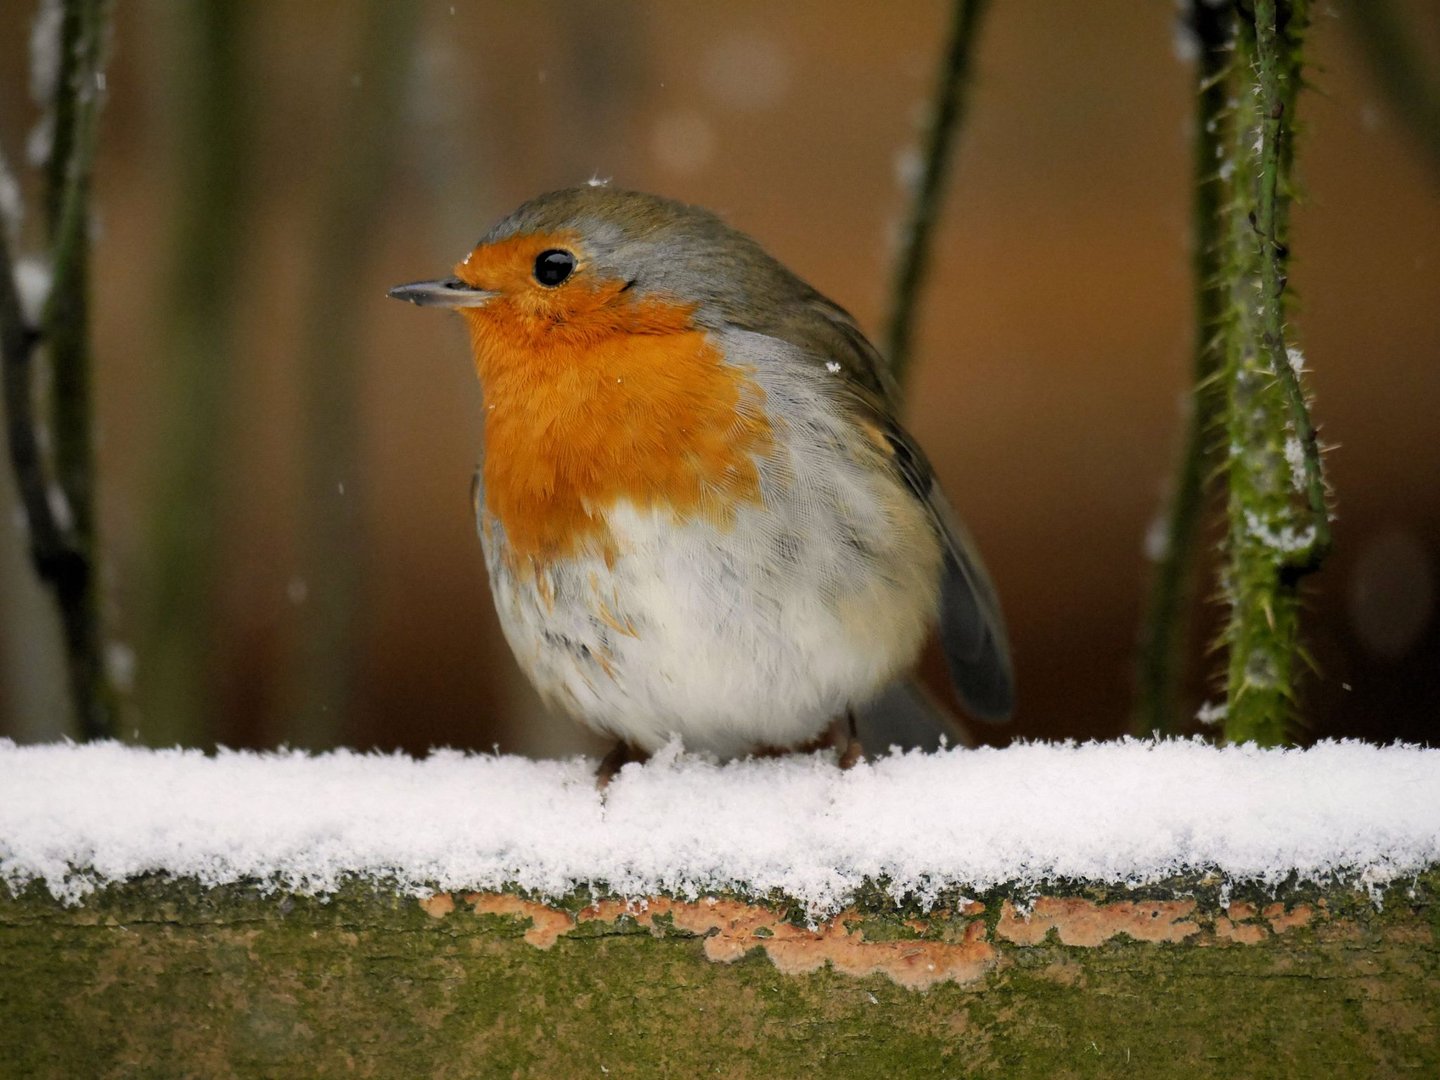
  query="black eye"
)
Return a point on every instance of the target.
[{"x": 553, "y": 266}]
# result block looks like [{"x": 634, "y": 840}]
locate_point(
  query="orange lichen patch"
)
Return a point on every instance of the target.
[
  {"x": 1243, "y": 933},
  {"x": 1084, "y": 922},
  {"x": 1281, "y": 920},
  {"x": 594, "y": 396},
  {"x": 731, "y": 929},
  {"x": 546, "y": 924},
  {"x": 1239, "y": 910},
  {"x": 438, "y": 906}
]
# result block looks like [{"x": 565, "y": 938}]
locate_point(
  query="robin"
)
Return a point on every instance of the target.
[{"x": 700, "y": 515}]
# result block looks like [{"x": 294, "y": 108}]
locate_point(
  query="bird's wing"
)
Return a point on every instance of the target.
[{"x": 972, "y": 630}]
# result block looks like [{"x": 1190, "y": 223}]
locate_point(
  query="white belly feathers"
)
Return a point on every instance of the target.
[{"x": 759, "y": 633}]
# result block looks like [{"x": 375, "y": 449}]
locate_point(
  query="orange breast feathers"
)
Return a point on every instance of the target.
[{"x": 594, "y": 397}]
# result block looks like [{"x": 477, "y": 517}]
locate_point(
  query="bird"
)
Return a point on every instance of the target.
[{"x": 699, "y": 512}]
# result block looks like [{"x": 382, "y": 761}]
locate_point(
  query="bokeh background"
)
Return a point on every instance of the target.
[{"x": 285, "y": 454}]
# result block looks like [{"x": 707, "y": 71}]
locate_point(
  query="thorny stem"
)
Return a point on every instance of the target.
[
  {"x": 1165, "y": 635},
  {"x": 1272, "y": 541},
  {"x": 1279, "y": 64},
  {"x": 63, "y": 548},
  {"x": 948, "y": 109}
]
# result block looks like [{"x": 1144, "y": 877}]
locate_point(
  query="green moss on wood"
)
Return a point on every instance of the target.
[{"x": 164, "y": 978}]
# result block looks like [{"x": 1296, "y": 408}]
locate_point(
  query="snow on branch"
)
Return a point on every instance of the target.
[{"x": 1130, "y": 813}]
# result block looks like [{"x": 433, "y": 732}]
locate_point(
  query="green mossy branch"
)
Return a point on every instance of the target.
[{"x": 1278, "y": 524}]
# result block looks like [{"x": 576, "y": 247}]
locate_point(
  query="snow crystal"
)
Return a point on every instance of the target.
[
  {"x": 12, "y": 208},
  {"x": 1157, "y": 539},
  {"x": 120, "y": 665},
  {"x": 1295, "y": 456},
  {"x": 909, "y": 168},
  {"x": 45, "y": 33},
  {"x": 1134, "y": 811},
  {"x": 1286, "y": 539},
  {"x": 32, "y": 282},
  {"x": 59, "y": 504},
  {"x": 1184, "y": 42},
  {"x": 45, "y": 51},
  {"x": 1212, "y": 712}
]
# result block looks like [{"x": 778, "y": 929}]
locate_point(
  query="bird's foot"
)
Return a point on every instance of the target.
[
  {"x": 839, "y": 736},
  {"x": 851, "y": 753},
  {"x": 846, "y": 739},
  {"x": 621, "y": 754}
]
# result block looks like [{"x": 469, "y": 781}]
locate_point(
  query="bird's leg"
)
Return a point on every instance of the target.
[
  {"x": 847, "y": 741},
  {"x": 620, "y": 755}
]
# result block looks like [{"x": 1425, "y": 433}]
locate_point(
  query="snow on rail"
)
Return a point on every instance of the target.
[{"x": 1130, "y": 812}]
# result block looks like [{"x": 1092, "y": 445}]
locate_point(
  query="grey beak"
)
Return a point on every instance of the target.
[{"x": 447, "y": 292}]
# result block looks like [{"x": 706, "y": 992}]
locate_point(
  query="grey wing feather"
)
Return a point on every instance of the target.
[
  {"x": 972, "y": 630},
  {"x": 908, "y": 716}
]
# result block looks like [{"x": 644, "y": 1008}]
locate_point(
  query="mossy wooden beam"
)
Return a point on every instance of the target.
[{"x": 165, "y": 978}]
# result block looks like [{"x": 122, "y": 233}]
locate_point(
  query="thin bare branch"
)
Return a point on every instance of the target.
[
  {"x": 59, "y": 501},
  {"x": 1165, "y": 637},
  {"x": 18, "y": 342},
  {"x": 948, "y": 110}
]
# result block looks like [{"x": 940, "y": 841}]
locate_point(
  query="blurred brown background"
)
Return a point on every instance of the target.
[{"x": 268, "y": 169}]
